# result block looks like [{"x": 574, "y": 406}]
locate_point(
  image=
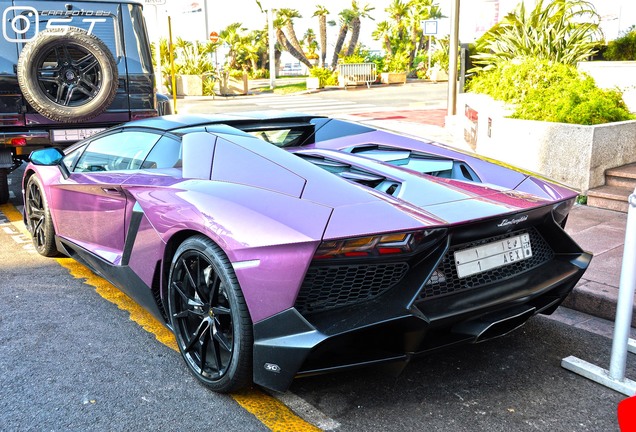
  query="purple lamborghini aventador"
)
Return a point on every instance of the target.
[{"x": 281, "y": 245}]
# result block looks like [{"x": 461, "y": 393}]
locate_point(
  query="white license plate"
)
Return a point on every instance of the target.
[
  {"x": 62, "y": 135},
  {"x": 492, "y": 255}
]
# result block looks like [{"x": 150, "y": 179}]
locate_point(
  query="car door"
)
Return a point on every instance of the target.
[{"x": 91, "y": 203}]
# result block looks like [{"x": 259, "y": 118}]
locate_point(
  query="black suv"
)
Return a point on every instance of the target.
[{"x": 68, "y": 70}]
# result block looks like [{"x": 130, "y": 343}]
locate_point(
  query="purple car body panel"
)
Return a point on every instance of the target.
[{"x": 269, "y": 209}]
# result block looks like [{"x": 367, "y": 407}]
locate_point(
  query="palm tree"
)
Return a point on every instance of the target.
[
  {"x": 279, "y": 22},
  {"x": 398, "y": 11},
  {"x": 231, "y": 36},
  {"x": 358, "y": 14},
  {"x": 310, "y": 44},
  {"x": 383, "y": 31},
  {"x": 288, "y": 16},
  {"x": 322, "y": 12},
  {"x": 346, "y": 16}
]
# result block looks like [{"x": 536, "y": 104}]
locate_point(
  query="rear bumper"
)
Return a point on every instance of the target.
[
  {"x": 394, "y": 329},
  {"x": 423, "y": 312}
]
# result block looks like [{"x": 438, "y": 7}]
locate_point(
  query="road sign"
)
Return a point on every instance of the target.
[
  {"x": 214, "y": 37},
  {"x": 430, "y": 27}
]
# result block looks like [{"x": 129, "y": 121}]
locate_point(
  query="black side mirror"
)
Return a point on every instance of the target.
[{"x": 49, "y": 156}]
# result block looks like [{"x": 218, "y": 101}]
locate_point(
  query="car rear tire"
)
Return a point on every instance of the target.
[
  {"x": 67, "y": 75},
  {"x": 4, "y": 186},
  {"x": 38, "y": 218},
  {"x": 209, "y": 316}
]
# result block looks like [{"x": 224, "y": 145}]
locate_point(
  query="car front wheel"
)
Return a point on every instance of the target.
[
  {"x": 209, "y": 316},
  {"x": 38, "y": 218}
]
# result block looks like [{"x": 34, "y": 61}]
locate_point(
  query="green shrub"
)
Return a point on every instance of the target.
[
  {"x": 577, "y": 102},
  {"x": 326, "y": 76},
  {"x": 398, "y": 62},
  {"x": 548, "y": 91},
  {"x": 622, "y": 48}
]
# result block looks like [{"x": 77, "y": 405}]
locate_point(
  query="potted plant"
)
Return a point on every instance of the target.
[
  {"x": 192, "y": 61},
  {"x": 233, "y": 82},
  {"x": 395, "y": 68},
  {"x": 440, "y": 60}
]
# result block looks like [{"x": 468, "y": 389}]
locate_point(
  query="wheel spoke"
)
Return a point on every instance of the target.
[
  {"x": 214, "y": 282},
  {"x": 81, "y": 87},
  {"x": 66, "y": 55},
  {"x": 69, "y": 94},
  {"x": 222, "y": 340},
  {"x": 87, "y": 87},
  {"x": 221, "y": 310},
  {"x": 216, "y": 353},
  {"x": 203, "y": 350},
  {"x": 51, "y": 75},
  {"x": 190, "y": 301},
  {"x": 61, "y": 88},
  {"x": 201, "y": 287},
  {"x": 35, "y": 213},
  {"x": 86, "y": 63},
  {"x": 201, "y": 329},
  {"x": 188, "y": 274}
]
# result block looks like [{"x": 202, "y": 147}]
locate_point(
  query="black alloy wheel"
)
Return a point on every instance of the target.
[
  {"x": 38, "y": 218},
  {"x": 74, "y": 77},
  {"x": 209, "y": 316}
]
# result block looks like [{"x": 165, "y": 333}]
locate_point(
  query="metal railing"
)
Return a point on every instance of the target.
[
  {"x": 614, "y": 378},
  {"x": 357, "y": 74}
]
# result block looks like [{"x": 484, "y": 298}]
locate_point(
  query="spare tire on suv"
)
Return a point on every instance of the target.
[{"x": 67, "y": 75}]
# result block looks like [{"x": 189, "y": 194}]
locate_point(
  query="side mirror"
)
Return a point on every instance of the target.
[{"x": 48, "y": 157}]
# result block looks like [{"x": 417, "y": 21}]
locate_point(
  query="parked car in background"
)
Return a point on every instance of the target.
[
  {"x": 282, "y": 245},
  {"x": 69, "y": 70}
]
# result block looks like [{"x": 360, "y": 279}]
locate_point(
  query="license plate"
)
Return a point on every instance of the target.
[
  {"x": 62, "y": 135},
  {"x": 492, "y": 255}
]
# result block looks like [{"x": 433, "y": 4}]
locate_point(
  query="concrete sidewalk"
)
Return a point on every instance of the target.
[{"x": 599, "y": 231}]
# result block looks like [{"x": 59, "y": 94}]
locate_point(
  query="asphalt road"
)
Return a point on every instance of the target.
[
  {"x": 71, "y": 360},
  {"x": 415, "y": 95}
]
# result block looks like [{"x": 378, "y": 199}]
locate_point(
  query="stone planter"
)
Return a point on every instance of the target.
[
  {"x": 313, "y": 83},
  {"x": 232, "y": 86},
  {"x": 189, "y": 85},
  {"x": 393, "y": 77},
  {"x": 575, "y": 155},
  {"x": 436, "y": 74}
]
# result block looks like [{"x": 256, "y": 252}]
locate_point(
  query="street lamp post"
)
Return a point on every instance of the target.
[
  {"x": 452, "y": 54},
  {"x": 272, "y": 46}
]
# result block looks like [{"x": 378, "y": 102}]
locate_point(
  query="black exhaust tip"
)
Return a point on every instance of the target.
[{"x": 494, "y": 325}]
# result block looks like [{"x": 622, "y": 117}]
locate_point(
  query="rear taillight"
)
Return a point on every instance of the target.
[
  {"x": 11, "y": 120},
  {"x": 378, "y": 245},
  {"x": 138, "y": 115},
  {"x": 18, "y": 142}
]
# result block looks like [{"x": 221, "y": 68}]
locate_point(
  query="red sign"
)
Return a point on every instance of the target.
[{"x": 214, "y": 37}]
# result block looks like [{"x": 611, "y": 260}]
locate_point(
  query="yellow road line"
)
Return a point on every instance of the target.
[{"x": 267, "y": 409}]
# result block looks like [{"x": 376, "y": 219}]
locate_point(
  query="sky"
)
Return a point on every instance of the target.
[{"x": 476, "y": 16}]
